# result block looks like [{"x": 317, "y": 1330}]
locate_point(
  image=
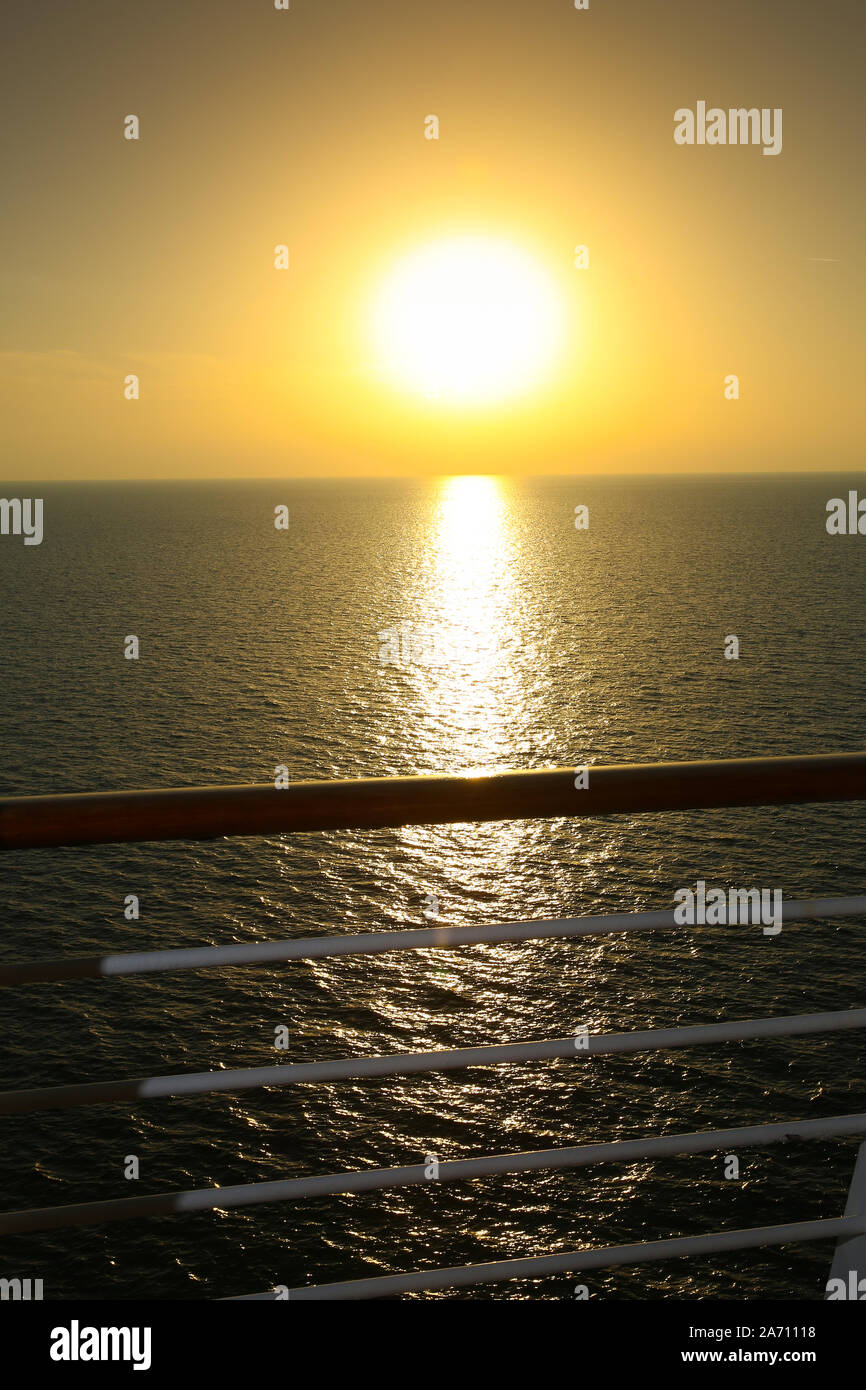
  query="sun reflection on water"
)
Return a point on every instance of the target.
[
  {"x": 470, "y": 691},
  {"x": 464, "y": 702}
]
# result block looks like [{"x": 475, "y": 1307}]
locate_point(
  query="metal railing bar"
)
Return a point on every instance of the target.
[
  {"x": 375, "y": 943},
  {"x": 408, "y": 1064},
  {"x": 539, "y": 1266},
  {"x": 375, "y": 803},
  {"x": 452, "y": 1170}
]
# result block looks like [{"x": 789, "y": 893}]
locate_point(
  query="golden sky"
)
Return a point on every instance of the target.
[{"x": 307, "y": 127}]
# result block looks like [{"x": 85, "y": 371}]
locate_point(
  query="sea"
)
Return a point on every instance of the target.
[{"x": 530, "y": 640}]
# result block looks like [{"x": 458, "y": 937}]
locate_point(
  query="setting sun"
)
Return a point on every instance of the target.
[{"x": 467, "y": 321}]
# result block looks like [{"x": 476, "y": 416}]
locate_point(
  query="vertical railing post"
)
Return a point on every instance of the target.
[{"x": 848, "y": 1270}]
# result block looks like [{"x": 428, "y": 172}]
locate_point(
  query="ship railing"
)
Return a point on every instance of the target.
[{"x": 202, "y": 813}]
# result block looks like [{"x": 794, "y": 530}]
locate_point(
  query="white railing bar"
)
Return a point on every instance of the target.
[
  {"x": 449, "y": 1170},
  {"x": 849, "y": 1258},
  {"x": 375, "y": 943},
  {"x": 411, "y": 1063},
  {"x": 539, "y": 1266}
]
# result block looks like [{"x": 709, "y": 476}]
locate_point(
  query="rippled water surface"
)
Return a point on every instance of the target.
[{"x": 261, "y": 648}]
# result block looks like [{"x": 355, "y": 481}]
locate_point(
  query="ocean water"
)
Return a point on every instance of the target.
[{"x": 260, "y": 648}]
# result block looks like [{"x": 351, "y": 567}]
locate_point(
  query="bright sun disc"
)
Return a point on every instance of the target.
[{"x": 468, "y": 321}]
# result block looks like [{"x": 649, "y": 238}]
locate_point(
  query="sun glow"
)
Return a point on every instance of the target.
[{"x": 468, "y": 321}]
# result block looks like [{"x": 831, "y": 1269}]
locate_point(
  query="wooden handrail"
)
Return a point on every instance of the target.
[{"x": 201, "y": 813}]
